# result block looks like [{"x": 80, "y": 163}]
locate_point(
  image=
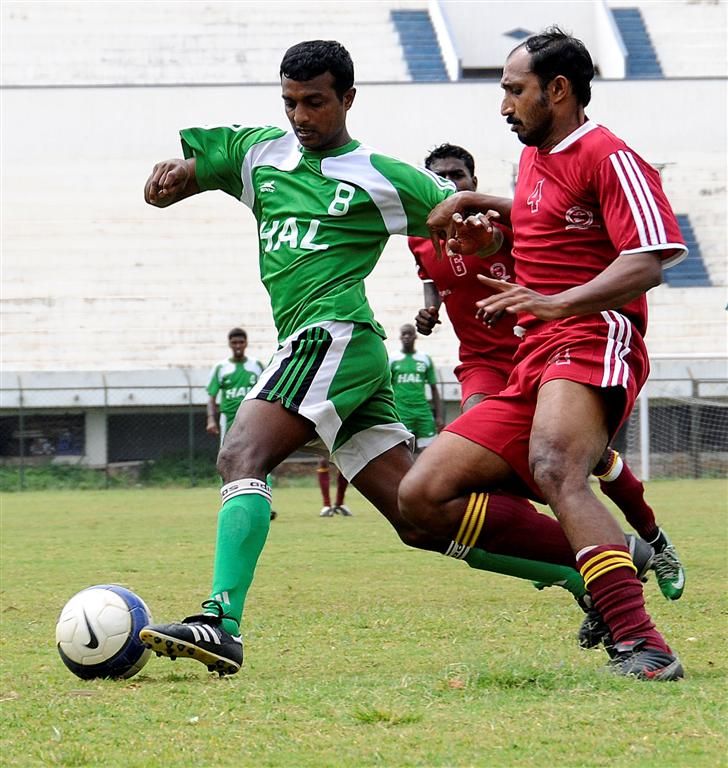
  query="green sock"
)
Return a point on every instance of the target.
[
  {"x": 242, "y": 528},
  {"x": 546, "y": 574}
]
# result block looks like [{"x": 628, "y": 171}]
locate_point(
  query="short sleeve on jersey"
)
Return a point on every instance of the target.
[
  {"x": 219, "y": 152},
  {"x": 636, "y": 212},
  {"x": 214, "y": 386},
  {"x": 419, "y": 190},
  {"x": 415, "y": 244}
]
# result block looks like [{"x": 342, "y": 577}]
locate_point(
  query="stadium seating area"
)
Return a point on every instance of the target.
[
  {"x": 689, "y": 36},
  {"x": 94, "y": 279}
]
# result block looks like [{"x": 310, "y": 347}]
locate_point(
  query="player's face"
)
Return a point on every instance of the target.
[
  {"x": 407, "y": 336},
  {"x": 525, "y": 105},
  {"x": 238, "y": 345},
  {"x": 455, "y": 170},
  {"x": 316, "y": 114}
]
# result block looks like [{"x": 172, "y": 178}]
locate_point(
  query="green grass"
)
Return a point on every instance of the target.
[{"x": 359, "y": 652}]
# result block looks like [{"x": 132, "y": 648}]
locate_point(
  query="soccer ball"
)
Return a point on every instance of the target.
[{"x": 97, "y": 633}]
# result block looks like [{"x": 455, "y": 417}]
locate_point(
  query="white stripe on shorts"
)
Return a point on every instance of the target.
[{"x": 616, "y": 368}]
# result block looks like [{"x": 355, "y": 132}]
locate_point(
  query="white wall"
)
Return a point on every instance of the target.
[{"x": 95, "y": 279}]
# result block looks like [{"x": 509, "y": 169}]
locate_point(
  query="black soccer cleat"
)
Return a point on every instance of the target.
[
  {"x": 593, "y": 629},
  {"x": 199, "y": 637},
  {"x": 632, "y": 659}
]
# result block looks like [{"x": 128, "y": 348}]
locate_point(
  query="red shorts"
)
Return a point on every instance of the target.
[
  {"x": 477, "y": 378},
  {"x": 603, "y": 350}
]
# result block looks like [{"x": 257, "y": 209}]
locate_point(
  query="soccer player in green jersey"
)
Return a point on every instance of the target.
[
  {"x": 411, "y": 371},
  {"x": 326, "y": 206},
  {"x": 230, "y": 381}
]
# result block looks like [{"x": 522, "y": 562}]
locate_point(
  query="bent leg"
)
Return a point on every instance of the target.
[
  {"x": 569, "y": 435},
  {"x": 262, "y": 435},
  {"x": 379, "y": 481},
  {"x": 443, "y": 494}
]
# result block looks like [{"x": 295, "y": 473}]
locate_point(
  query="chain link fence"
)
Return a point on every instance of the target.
[{"x": 105, "y": 434}]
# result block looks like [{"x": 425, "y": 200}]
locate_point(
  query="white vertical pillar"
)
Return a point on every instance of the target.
[{"x": 96, "y": 442}]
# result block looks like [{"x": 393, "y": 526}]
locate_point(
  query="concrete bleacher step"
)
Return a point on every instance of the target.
[
  {"x": 419, "y": 45},
  {"x": 642, "y": 59},
  {"x": 692, "y": 271}
]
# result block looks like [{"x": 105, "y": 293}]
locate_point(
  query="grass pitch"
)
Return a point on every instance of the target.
[{"x": 359, "y": 652}]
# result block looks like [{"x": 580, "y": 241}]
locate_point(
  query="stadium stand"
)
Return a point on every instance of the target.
[
  {"x": 419, "y": 43},
  {"x": 689, "y": 36},
  {"x": 642, "y": 60},
  {"x": 692, "y": 271},
  {"x": 94, "y": 279},
  {"x": 103, "y": 43}
]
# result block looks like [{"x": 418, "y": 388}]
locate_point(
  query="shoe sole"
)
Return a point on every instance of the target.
[{"x": 173, "y": 647}]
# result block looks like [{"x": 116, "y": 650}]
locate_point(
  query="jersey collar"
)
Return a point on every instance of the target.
[
  {"x": 574, "y": 136},
  {"x": 342, "y": 150}
]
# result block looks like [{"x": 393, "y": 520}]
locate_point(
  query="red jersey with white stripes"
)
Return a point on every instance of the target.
[
  {"x": 456, "y": 280},
  {"x": 579, "y": 206}
]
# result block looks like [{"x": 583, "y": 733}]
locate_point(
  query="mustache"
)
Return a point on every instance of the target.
[{"x": 513, "y": 121}]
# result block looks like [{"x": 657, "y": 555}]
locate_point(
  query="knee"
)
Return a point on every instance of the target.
[
  {"x": 412, "y": 495},
  {"x": 549, "y": 467},
  {"x": 234, "y": 463},
  {"x": 555, "y": 470}
]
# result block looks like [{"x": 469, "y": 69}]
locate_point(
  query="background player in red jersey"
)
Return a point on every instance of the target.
[
  {"x": 324, "y": 481},
  {"x": 486, "y": 357},
  {"x": 592, "y": 231}
]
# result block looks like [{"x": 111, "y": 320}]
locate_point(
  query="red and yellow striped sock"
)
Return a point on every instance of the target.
[{"x": 610, "y": 576}]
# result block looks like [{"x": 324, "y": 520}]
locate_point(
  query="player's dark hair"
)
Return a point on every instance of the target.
[
  {"x": 312, "y": 58},
  {"x": 236, "y": 333},
  {"x": 553, "y": 53},
  {"x": 451, "y": 150}
]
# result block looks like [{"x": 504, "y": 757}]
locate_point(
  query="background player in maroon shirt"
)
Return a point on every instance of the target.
[
  {"x": 486, "y": 359},
  {"x": 592, "y": 231}
]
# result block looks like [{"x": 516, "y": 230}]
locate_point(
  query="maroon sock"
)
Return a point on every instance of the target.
[
  {"x": 324, "y": 485},
  {"x": 341, "y": 485},
  {"x": 513, "y": 526},
  {"x": 628, "y": 493},
  {"x": 610, "y": 578}
]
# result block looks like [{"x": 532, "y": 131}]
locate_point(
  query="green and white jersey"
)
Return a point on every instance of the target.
[
  {"x": 233, "y": 380},
  {"x": 410, "y": 373},
  {"x": 323, "y": 217}
]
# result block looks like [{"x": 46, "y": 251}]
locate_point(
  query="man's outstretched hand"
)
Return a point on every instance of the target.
[{"x": 509, "y": 297}]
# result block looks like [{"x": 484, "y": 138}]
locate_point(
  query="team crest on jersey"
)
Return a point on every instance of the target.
[
  {"x": 267, "y": 186},
  {"x": 499, "y": 271},
  {"x": 579, "y": 218}
]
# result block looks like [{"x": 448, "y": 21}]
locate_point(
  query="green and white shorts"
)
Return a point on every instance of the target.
[
  {"x": 421, "y": 422},
  {"x": 336, "y": 374}
]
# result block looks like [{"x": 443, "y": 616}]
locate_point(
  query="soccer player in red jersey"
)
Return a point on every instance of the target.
[
  {"x": 486, "y": 355},
  {"x": 592, "y": 231}
]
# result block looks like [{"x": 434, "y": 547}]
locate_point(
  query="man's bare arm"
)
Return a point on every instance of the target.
[
  {"x": 171, "y": 181},
  {"x": 626, "y": 278},
  {"x": 429, "y": 316}
]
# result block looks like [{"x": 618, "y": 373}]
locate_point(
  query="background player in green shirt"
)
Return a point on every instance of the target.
[
  {"x": 326, "y": 206},
  {"x": 411, "y": 371},
  {"x": 230, "y": 381}
]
